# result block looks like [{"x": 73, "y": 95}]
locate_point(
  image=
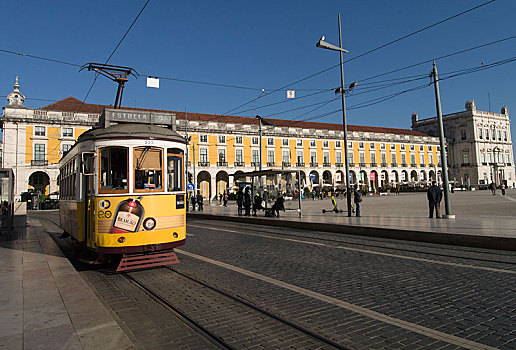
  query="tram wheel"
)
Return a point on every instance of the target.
[{"x": 324, "y": 211}]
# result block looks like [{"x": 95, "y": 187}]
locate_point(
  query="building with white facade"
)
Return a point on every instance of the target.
[{"x": 479, "y": 145}]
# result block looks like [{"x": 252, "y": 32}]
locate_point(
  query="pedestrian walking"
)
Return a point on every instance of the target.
[
  {"x": 193, "y": 200},
  {"x": 200, "y": 201},
  {"x": 397, "y": 190},
  {"x": 278, "y": 205},
  {"x": 492, "y": 187},
  {"x": 220, "y": 199},
  {"x": 358, "y": 199},
  {"x": 240, "y": 201},
  {"x": 225, "y": 199},
  {"x": 247, "y": 202},
  {"x": 503, "y": 189},
  {"x": 434, "y": 195}
]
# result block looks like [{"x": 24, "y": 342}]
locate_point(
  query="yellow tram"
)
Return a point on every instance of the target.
[{"x": 122, "y": 190}]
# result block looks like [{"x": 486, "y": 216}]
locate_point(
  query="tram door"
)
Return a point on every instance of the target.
[{"x": 88, "y": 196}]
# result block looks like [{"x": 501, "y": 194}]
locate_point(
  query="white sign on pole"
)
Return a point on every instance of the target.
[
  {"x": 337, "y": 177},
  {"x": 153, "y": 82},
  {"x": 291, "y": 93}
]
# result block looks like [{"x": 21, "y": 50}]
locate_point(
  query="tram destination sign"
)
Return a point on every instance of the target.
[{"x": 131, "y": 116}]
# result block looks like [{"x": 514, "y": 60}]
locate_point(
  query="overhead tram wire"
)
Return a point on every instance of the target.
[
  {"x": 366, "y": 53},
  {"x": 112, "y": 53},
  {"x": 40, "y": 58},
  {"x": 450, "y": 75},
  {"x": 439, "y": 58},
  {"x": 284, "y": 101},
  {"x": 217, "y": 84}
]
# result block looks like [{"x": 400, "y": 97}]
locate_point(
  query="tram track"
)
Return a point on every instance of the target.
[
  {"x": 490, "y": 257},
  {"x": 217, "y": 340},
  {"x": 188, "y": 321}
]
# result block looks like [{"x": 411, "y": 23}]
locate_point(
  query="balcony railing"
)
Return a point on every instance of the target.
[
  {"x": 338, "y": 165},
  {"x": 373, "y": 164},
  {"x": 313, "y": 164},
  {"x": 222, "y": 163},
  {"x": 327, "y": 164},
  {"x": 422, "y": 164},
  {"x": 286, "y": 164},
  {"x": 403, "y": 164},
  {"x": 255, "y": 163},
  {"x": 38, "y": 162},
  {"x": 465, "y": 164},
  {"x": 271, "y": 164},
  {"x": 351, "y": 164},
  {"x": 394, "y": 164},
  {"x": 431, "y": 165},
  {"x": 300, "y": 164},
  {"x": 204, "y": 163},
  {"x": 384, "y": 165},
  {"x": 361, "y": 164},
  {"x": 413, "y": 164},
  {"x": 239, "y": 163}
]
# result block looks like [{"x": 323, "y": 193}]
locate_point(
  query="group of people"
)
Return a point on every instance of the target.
[
  {"x": 245, "y": 203},
  {"x": 223, "y": 199},
  {"x": 197, "y": 200},
  {"x": 492, "y": 187}
]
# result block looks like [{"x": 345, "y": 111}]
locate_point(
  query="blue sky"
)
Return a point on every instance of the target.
[{"x": 260, "y": 44}]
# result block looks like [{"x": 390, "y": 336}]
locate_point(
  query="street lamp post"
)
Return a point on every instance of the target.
[{"x": 322, "y": 44}]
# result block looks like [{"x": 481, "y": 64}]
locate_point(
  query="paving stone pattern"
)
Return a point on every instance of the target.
[
  {"x": 468, "y": 303},
  {"x": 148, "y": 323},
  {"x": 236, "y": 324}
]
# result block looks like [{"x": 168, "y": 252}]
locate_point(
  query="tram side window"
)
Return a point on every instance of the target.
[
  {"x": 175, "y": 169},
  {"x": 148, "y": 169},
  {"x": 113, "y": 169}
]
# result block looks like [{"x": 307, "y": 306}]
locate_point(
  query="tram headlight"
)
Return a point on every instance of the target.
[
  {"x": 121, "y": 239},
  {"x": 149, "y": 224},
  {"x": 175, "y": 235}
]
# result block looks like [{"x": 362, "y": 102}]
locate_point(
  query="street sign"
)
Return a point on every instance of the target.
[
  {"x": 291, "y": 93},
  {"x": 372, "y": 176},
  {"x": 190, "y": 187}
]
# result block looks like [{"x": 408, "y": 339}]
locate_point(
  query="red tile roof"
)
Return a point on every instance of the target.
[{"x": 71, "y": 104}]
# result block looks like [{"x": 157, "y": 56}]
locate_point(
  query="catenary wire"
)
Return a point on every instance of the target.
[
  {"x": 112, "y": 53},
  {"x": 365, "y": 53}
]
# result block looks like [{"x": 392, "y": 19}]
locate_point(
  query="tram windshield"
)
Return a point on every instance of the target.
[
  {"x": 175, "y": 169},
  {"x": 113, "y": 169},
  {"x": 148, "y": 169}
]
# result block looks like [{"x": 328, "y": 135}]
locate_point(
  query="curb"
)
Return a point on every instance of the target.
[{"x": 457, "y": 239}]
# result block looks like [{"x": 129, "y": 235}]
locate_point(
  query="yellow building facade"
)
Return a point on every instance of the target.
[{"x": 222, "y": 146}]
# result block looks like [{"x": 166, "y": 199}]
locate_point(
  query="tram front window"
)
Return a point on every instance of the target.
[
  {"x": 175, "y": 169},
  {"x": 113, "y": 169},
  {"x": 148, "y": 169}
]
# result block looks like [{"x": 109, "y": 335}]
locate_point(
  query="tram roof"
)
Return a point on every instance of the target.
[{"x": 131, "y": 131}]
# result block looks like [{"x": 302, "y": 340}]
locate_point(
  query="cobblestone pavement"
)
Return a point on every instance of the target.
[
  {"x": 470, "y": 297},
  {"x": 362, "y": 293}
]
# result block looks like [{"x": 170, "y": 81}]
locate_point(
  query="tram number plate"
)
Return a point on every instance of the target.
[{"x": 149, "y": 142}]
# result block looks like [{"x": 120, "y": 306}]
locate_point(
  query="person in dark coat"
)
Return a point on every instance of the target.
[
  {"x": 257, "y": 205},
  {"x": 247, "y": 202},
  {"x": 225, "y": 198},
  {"x": 193, "y": 200},
  {"x": 240, "y": 201},
  {"x": 278, "y": 205},
  {"x": 357, "y": 199},
  {"x": 200, "y": 201},
  {"x": 434, "y": 195}
]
